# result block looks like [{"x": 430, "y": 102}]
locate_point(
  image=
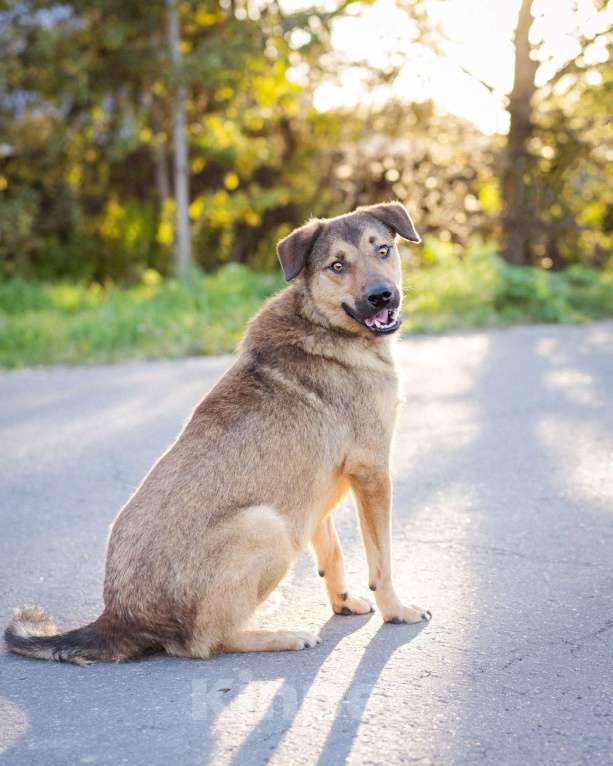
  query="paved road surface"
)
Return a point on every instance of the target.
[{"x": 503, "y": 528}]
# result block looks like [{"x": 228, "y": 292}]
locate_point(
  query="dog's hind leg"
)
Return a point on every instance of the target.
[
  {"x": 248, "y": 556},
  {"x": 270, "y": 641},
  {"x": 331, "y": 567}
]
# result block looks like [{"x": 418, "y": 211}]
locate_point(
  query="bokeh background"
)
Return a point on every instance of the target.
[{"x": 152, "y": 153}]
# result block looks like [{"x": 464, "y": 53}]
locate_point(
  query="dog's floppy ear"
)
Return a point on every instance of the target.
[
  {"x": 395, "y": 216},
  {"x": 293, "y": 250}
]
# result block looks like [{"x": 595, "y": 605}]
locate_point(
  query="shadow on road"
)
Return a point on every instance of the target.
[
  {"x": 138, "y": 711},
  {"x": 533, "y": 682}
]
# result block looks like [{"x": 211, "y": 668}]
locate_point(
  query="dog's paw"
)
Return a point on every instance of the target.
[
  {"x": 408, "y": 615},
  {"x": 301, "y": 639},
  {"x": 347, "y": 605}
]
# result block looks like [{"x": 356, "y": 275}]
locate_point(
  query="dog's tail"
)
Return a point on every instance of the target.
[{"x": 34, "y": 634}]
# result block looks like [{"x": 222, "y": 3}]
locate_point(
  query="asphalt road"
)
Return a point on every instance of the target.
[{"x": 503, "y": 528}]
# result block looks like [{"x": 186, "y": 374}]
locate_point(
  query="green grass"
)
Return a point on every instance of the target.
[
  {"x": 481, "y": 290},
  {"x": 67, "y": 322},
  {"x": 63, "y": 322}
]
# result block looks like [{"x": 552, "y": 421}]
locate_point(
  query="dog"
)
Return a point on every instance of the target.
[{"x": 304, "y": 416}]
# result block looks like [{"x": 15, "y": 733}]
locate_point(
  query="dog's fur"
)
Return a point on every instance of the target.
[{"x": 304, "y": 415}]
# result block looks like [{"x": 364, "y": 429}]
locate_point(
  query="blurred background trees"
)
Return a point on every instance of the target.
[
  {"x": 557, "y": 194},
  {"x": 88, "y": 100}
]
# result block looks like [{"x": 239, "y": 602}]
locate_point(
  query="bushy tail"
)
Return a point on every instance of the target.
[{"x": 34, "y": 634}]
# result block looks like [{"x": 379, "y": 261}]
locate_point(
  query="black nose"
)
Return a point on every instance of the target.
[{"x": 379, "y": 296}]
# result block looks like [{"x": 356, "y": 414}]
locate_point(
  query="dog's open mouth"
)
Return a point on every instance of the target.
[{"x": 384, "y": 322}]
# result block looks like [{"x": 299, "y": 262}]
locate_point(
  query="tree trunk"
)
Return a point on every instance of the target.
[
  {"x": 518, "y": 222},
  {"x": 182, "y": 236},
  {"x": 162, "y": 178},
  {"x": 162, "y": 181}
]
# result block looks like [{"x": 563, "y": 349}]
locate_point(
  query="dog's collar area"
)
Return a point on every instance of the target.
[{"x": 384, "y": 322}]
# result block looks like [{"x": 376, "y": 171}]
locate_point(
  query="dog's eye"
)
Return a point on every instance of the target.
[
  {"x": 384, "y": 250},
  {"x": 337, "y": 266}
]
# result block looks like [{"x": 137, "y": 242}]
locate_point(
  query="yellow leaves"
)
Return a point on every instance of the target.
[
  {"x": 205, "y": 18},
  {"x": 132, "y": 232},
  {"x": 165, "y": 231},
  {"x": 197, "y": 164},
  {"x": 290, "y": 107},
  {"x": 151, "y": 277},
  {"x": 489, "y": 197},
  {"x": 185, "y": 46},
  {"x": 145, "y": 135},
  {"x": 266, "y": 90},
  {"x": 593, "y": 213},
  {"x": 110, "y": 225},
  {"x": 224, "y": 93},
  {"x": 221, "y": 131},
  {"x": 231, "y": 181},
  {"x": 251, "y": 218},
  {"x": 225, "y": 241},
  {"x": 220, "y": 212},
  {"x": 3, "y": 183},
  {"x": 74, "y": 176},
  {"x": 252, "y": 120},
  {"x": 196, "y": 209}
]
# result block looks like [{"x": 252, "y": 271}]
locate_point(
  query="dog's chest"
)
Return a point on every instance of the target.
[{"x": 375, "y": 405}]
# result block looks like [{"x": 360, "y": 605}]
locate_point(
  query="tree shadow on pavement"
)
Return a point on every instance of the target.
[
  {"x": 166, "y": 709},
  {"x": 526, "y": 678}
]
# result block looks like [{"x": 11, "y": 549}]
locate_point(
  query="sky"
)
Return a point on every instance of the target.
[{"x": 479, "y": 36}]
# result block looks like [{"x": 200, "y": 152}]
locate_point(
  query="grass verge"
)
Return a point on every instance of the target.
[
  {"x": 65, "y": 322},
  {"x": 480, "y": 289}
]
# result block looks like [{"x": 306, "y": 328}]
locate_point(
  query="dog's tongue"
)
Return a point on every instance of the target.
[{"x": 381, "y": 316}]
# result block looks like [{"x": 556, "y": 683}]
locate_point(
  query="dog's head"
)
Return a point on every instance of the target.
[{"x": 351, "y": 266}]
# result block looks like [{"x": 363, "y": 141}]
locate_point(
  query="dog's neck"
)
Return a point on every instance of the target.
[{"x": 292, "y": 319}]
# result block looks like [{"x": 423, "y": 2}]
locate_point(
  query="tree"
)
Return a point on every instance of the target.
[
  {"x": 182, "y": 238},
  {"x": 89, "y": 106},
  {"x": 518, "y": 215}
]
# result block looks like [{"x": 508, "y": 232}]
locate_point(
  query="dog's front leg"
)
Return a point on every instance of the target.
[
  {"x": 330, "y": 565},
  {"x": 372, "y": 488}
]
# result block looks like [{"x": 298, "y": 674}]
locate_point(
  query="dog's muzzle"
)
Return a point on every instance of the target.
[{"x": 379, "y": 320}]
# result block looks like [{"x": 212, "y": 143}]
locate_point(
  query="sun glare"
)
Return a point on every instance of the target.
[{"x": 473, "y": 71}]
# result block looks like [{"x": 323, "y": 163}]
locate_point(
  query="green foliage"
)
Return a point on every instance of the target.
[
  {"x": 482, "y": 290},
  {"x": 558, "y": 177},
  {"x": 86, "y": 93},
  {"x": 86, "y": 103},
  {"x": 75, "y": 322},
  {"x": 68, "y": 322}
]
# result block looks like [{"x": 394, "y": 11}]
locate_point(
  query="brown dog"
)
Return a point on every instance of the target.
[{"x": 305, "y": 414}]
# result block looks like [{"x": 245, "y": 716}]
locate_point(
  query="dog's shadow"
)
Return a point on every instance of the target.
[
  {"x": 163, "y": 709},
  {"x": 298, "y": 678}
]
